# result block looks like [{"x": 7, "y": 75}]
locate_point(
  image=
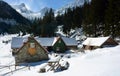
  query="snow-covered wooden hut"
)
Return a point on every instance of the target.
[
  {"x": 71, "y": 43},
  {"x": 59, "y": 45},
  {"x": 50, "y": 43},
  {"x": 47, "y": 43},
  {"x": 93, "y": 43},
  {"x": 28, "y": 50}
]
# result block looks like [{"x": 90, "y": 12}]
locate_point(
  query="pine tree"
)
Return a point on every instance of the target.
[
  {"x": 48, "y": 24},
  {"x": 59, "y": 19},
  {"x": 112, "y": 18},
  {"x": 77, "y": 17},
  {"x": 68, "y": 20},
  {"x": 96, "y": 17},
  {"x": 86, "y": 18}
]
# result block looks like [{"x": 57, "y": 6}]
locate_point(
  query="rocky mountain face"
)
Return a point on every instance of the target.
[
  {"x": 10, "y": 17},
  {"x": 8, "y": 13},
  {"x": 70, "y": 5},
  {"x": 22, "y": 9}
]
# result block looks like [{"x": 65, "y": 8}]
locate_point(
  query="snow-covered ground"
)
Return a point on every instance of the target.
[{"x": 100, "y": 62}]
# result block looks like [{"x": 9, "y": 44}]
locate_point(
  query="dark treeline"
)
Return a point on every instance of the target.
[
  {"x": 47, "y": 25},
  {"x": 97, "y": 18},
  {"x": 101, "y": 17},
  {"x": 13, "y": 29}
]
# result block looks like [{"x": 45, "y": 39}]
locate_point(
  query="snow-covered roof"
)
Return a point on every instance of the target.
[
  {"x": 69, "y": 41},
  {"x": 17, "y": 42},
  {"x": 45, "y": 41},
  {"x": 54, "y": 41},
  {"x": 95, "y": 41}
]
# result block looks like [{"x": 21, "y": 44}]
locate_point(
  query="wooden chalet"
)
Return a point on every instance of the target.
[
  {"x": 51, "y": 43},
  {"x": 56, "y": 44},
  {"x": 59, "y": 45},
  {"x": 100, "y": 42},
  {"x": 28, "y": 50}
]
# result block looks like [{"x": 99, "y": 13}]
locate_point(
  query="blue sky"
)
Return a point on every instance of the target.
[{"x": 36, "y": 5}]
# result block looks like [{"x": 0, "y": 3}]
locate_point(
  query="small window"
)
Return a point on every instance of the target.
[
  {"x": 32, "y": 45},
  {"x": 59, "y": 41}
]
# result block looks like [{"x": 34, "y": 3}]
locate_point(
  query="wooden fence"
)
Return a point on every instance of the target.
[{"x": 11, "y": 70}]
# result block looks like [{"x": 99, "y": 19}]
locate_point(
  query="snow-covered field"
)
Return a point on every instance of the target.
[{"x": 100, "y": 62}]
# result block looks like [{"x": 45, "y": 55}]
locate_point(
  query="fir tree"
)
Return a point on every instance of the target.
[{"x": 112, "y": 18}]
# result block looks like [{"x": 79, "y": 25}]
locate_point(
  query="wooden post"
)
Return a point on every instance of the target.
[
  {"x": 9, "y": 66},
  {"x": 29, "y": 67},
  {"x": 16, "y": 66},
  {"x": 11, "y": 72}
]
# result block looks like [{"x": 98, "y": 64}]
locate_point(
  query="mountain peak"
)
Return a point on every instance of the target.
[
  {"x": 21, "y": 8},
  {"x": 22, "y": 4},
  {"x": 29, "y": 14},
  {"x": 75, "y": 3},
  {"x": 2, "y": 2},
  {"x": 45, "y": 9},
  {"x": 9, "y": 17}
]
